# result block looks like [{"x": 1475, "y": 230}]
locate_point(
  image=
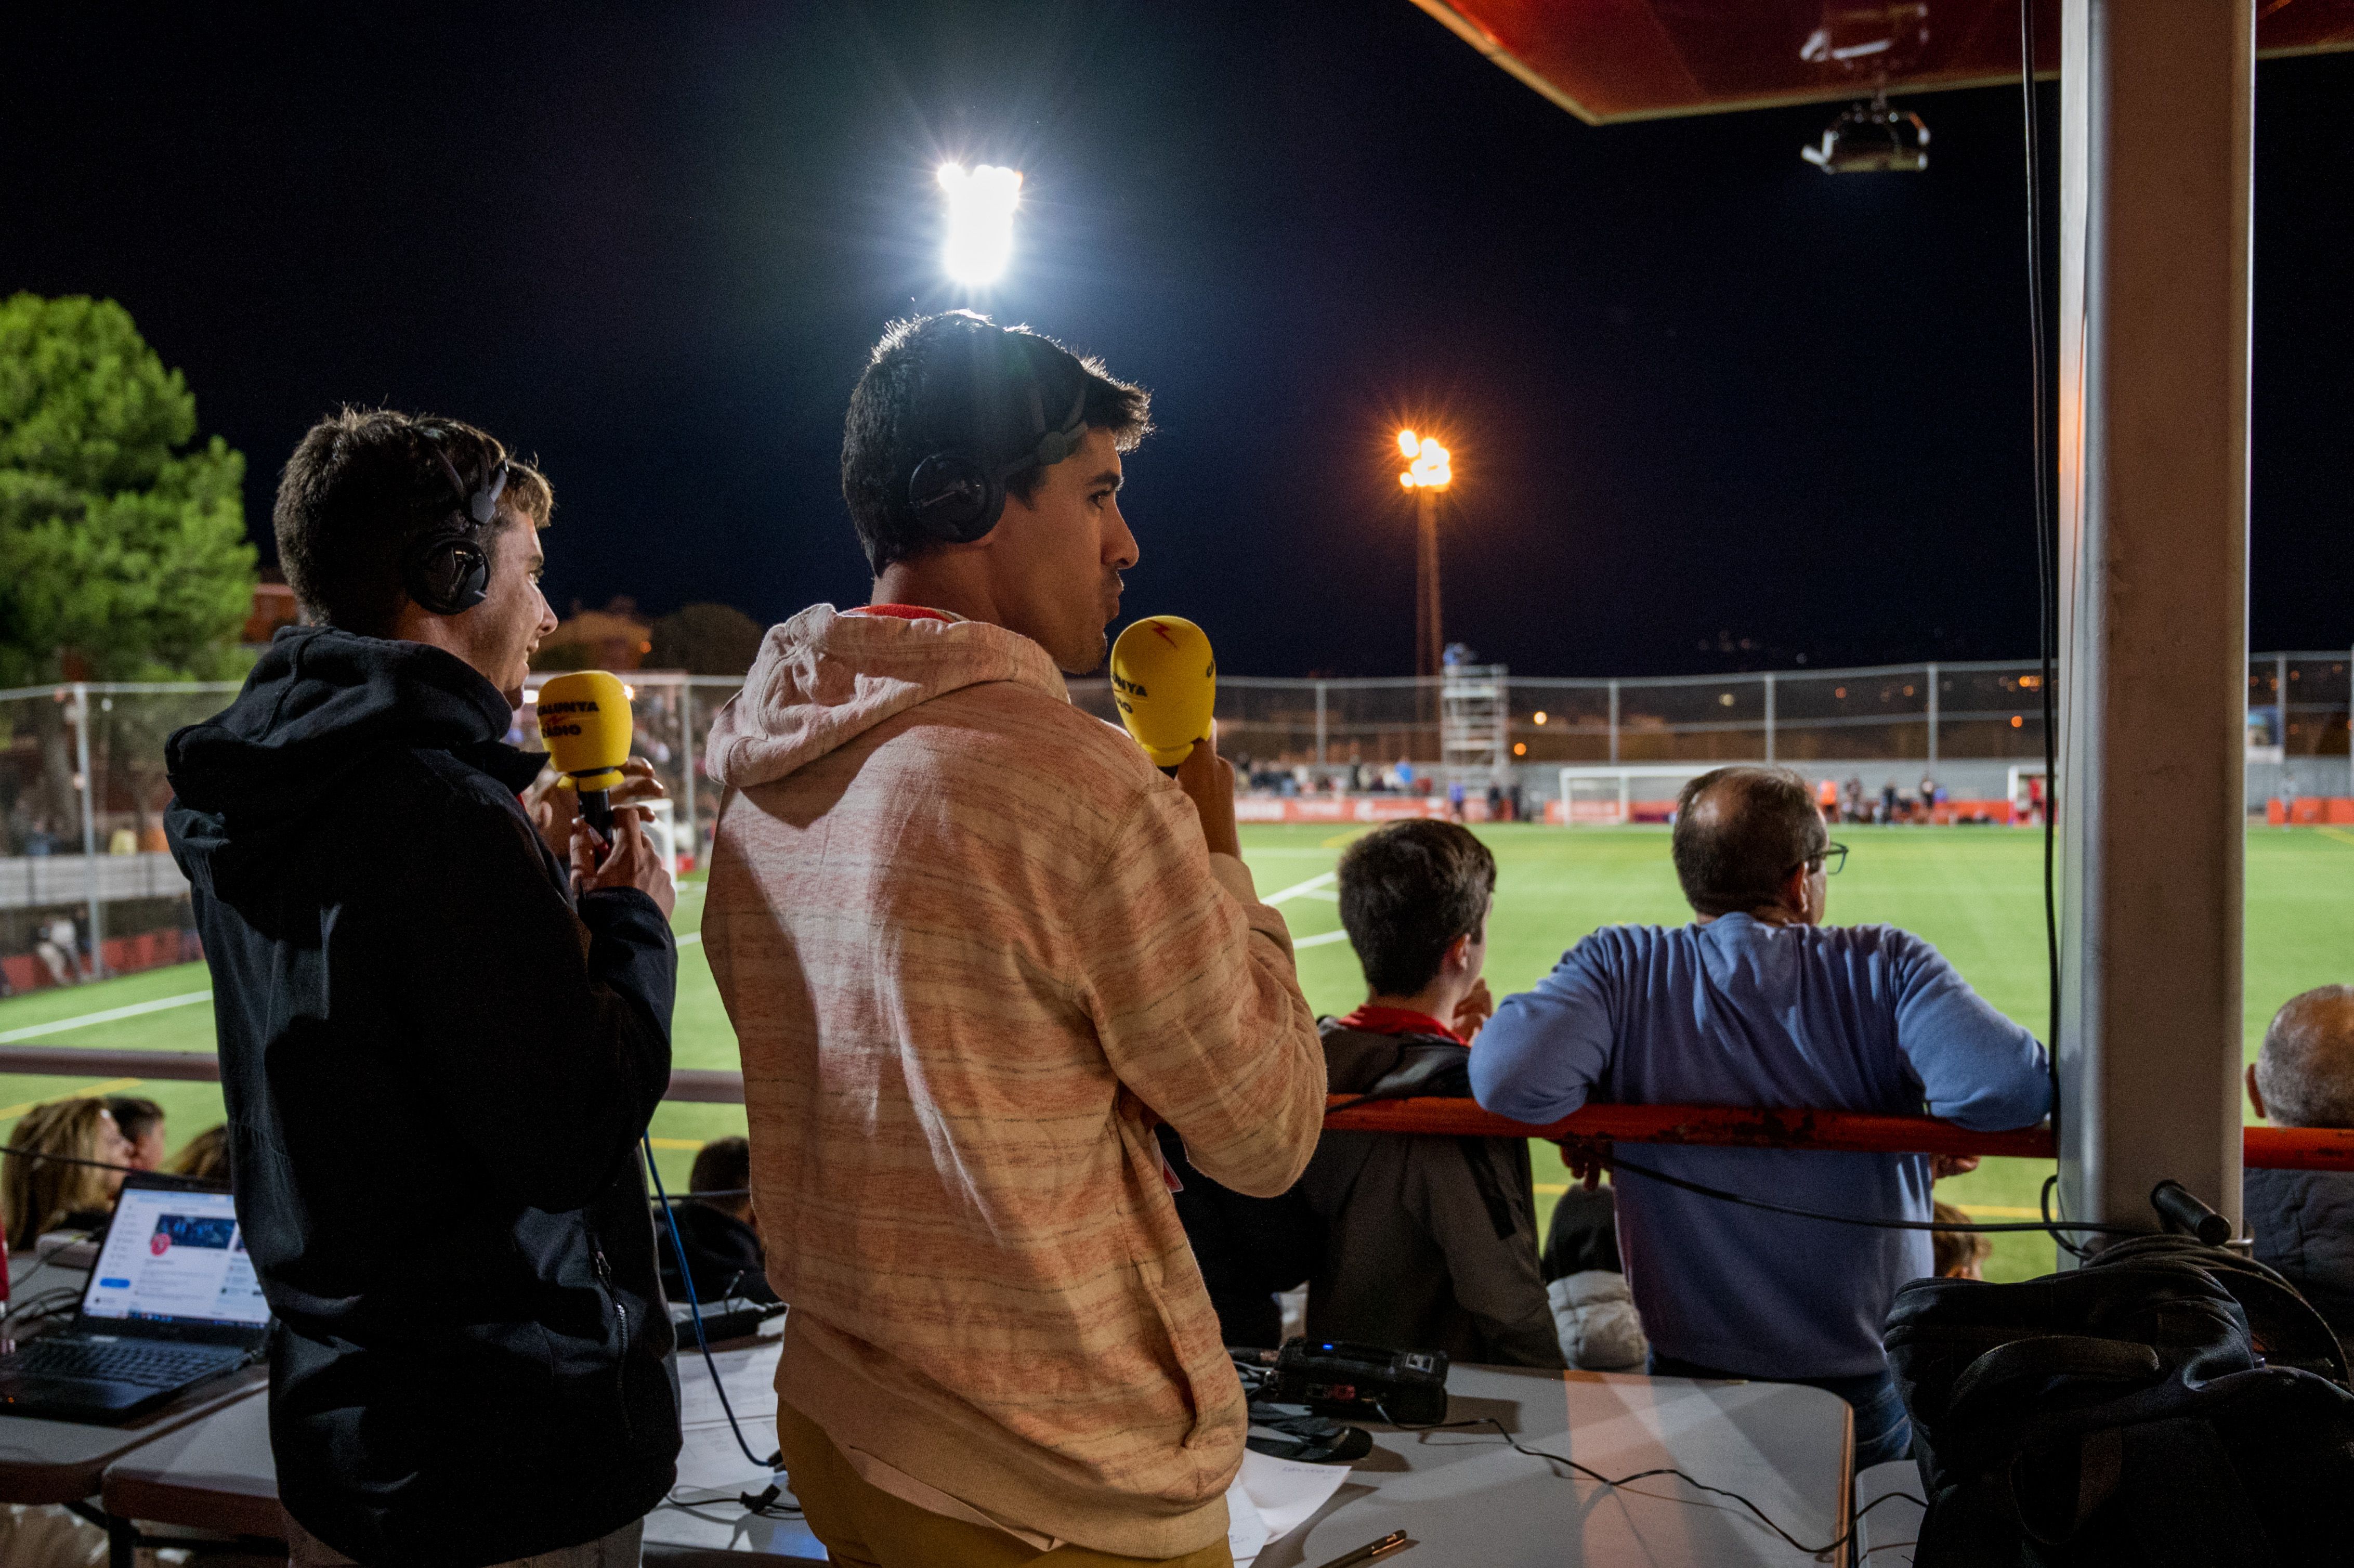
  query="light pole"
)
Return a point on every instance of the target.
[{"x": 1428, "y": 473}]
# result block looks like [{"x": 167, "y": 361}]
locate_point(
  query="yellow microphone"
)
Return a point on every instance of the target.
[
  {"x": 584, "y": 721},
  {"x": 1164, "y": 681}
]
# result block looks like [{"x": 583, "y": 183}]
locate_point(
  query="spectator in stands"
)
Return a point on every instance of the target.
[
  {"x": 1430, "y": 1243},
  {"x": 1958, "y": 1255},
  {"x": 141, "y": 1121},
  {"x": 722, "y": 1250},
  {"x": 72, "y": 1190},
  {"x": 204, "y": 1157},
  {"x": 1758, "y": 1003},
  {"x": 57, "y": 946},
  {"x": 2304, "y": 1220},
  {"x": 1592, "y": 1308}
]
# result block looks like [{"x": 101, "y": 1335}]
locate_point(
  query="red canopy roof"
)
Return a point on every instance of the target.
[{"x": 1605, "y": 60}]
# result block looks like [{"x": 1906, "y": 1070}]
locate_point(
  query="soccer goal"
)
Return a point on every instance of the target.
[{"x": 1600, "y": 795}]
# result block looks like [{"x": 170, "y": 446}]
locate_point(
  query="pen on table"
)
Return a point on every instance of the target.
[{"x": 1393, "y": 1542}]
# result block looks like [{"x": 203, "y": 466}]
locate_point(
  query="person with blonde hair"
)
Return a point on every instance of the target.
[
  {"x": 204, "y": 1157},
  {"x": 42, "y": 1194}
]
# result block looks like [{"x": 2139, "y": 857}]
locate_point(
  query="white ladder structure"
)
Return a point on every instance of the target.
[{"x": 1474, "y": 720}]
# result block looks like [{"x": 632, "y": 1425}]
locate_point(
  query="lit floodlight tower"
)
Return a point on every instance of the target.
[
  {"x": 980, "y": 220},
  {"x": 1430, "y": 471}
]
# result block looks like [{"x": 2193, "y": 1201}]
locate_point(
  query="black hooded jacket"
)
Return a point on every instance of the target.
[{"x": 436, "y": 1070}]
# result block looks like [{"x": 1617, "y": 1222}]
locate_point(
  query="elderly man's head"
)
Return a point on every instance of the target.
[
  {"x": 1750, "y": 840},
  {"x": 2303, "y": 1076}
]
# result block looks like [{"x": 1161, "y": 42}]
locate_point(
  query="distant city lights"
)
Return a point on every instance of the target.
[
  {"x": 980, "y": 220},
  {"x": 1430, "y": 469}
]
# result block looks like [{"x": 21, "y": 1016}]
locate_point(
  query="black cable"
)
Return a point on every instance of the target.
[
  {"x": 2053, "y": 1227},
  {"x": 2044, "y": 1203},
  {"x": 69, "y": 1159},
  {"x": 2047, "y": 566},
  {"x": 698, "y": 1197},
  {"x": 1764, "y": 1517},
  {"x": 695, "y": 1312}
]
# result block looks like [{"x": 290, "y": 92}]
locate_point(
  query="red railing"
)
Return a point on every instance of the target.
[
  {"x": 2268, "y": 1147},
  {"x": 1724, "y": 1126}
]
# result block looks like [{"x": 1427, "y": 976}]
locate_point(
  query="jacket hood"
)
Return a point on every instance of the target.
[
  {"x": 320, "y": 705},
  {"x": 1392, "y": 1066},
  {"x": 823, "y": 678}
]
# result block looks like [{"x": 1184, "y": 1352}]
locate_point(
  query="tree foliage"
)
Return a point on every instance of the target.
[
  {"x": 122, "y": 549},
  {"x": 705, "y": 639}
]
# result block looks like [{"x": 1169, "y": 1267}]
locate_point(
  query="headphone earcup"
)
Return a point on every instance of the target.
[
  {"x": 448, "y": 575},
  {"x": 954, "y": 498}
]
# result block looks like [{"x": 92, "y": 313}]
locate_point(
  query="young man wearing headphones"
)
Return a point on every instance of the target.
[
  {"x": 976, "y": 947},
  {"x": 469, "y": 1363}
]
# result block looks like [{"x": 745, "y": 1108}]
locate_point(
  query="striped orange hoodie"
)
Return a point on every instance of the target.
[{"x": 973, "y": 944}]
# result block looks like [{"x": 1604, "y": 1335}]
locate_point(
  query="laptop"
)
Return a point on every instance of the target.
[{"x": 173, "y": 1302}]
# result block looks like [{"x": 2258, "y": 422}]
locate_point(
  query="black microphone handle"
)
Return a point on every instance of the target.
[{"x": 597, "y": 810}]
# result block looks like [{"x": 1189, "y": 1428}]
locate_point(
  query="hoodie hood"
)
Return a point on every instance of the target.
[
  {"x": 321, "y": 705},
  {"x": 823, "y": 678}
]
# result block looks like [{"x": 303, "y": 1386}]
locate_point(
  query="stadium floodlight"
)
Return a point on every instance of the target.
[
  {"x": 980, "y": 220},
  {"x": 1431, "y": 468}
]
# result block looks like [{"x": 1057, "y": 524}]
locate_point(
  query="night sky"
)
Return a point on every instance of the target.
[{"x": 1710, "y": 410}]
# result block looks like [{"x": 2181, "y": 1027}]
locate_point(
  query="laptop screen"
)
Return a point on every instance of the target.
[{"x": 177, "y": 1257}]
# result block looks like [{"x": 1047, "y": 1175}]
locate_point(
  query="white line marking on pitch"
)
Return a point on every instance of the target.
[
  {"x": 161, "y": 1004},
  {"x": 1319, "y": 939},
  {"x": 1296, "y": 888},
  {"x": 687, "y": 941}
]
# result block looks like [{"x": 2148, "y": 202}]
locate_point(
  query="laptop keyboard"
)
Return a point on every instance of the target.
[{"x": 145, "y": 1365}]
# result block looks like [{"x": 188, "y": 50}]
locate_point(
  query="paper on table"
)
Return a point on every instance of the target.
[
  {"x": 749, "y": 1376},
  {"x": 1275, "y": 1497},
  {"x": 1245, "y": 1532}
]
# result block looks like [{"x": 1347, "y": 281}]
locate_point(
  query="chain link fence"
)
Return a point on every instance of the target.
[{"x": 88, "y": 885}]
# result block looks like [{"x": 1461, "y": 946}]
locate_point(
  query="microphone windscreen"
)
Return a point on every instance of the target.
[
  {"x": 584, "y": 721},
  {"x": 1164, "y": 681}
]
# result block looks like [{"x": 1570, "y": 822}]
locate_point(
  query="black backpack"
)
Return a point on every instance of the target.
[{"x": 2169, "y": 1402}]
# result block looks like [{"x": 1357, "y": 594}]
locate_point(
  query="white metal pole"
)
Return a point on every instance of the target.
[
  {"x": 2156, "y": 169},
  {"x": 687, "y": 766},
  {"x": 89, "y": 828},
  {"x": 1933, "y": 721},
  {"x": 2280, "y": 707}
]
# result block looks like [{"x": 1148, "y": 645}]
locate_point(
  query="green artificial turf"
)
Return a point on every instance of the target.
[{"x": 1975, "y": 892}]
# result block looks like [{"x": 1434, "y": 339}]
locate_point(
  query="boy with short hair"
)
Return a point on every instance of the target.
[
  {"x": 1430, "y": 1241},
  {"x": 1959, "y": 1255}
]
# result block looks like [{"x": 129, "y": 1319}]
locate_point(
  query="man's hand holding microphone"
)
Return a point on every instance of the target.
[
  {"x": 585, "y": 723},
  {"x": 1164, "y": 681}
]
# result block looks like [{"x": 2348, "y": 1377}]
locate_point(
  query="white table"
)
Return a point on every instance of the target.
[
  {"x": 1885, "y": 1537},
  {"x": 1464, "y": 1495}
]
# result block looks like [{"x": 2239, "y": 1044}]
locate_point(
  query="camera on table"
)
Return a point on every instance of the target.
[{"x": 1359, "y": 1383}]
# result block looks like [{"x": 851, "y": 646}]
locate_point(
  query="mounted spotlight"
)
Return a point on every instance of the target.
[{"x": 1872, "y": 138}]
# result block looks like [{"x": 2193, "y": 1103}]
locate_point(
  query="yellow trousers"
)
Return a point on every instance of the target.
[{"x": 863, "y": 1526}]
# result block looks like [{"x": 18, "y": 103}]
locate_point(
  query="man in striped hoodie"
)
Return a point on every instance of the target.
[{"x": 976, "y": 946}]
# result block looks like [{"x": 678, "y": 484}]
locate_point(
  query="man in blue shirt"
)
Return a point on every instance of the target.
[{"x": 1758, "y": 1003}]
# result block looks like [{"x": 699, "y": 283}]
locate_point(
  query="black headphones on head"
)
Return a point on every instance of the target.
[
  {"x": 958, "y": 498},
  {"x": 446, "y": 570}
]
